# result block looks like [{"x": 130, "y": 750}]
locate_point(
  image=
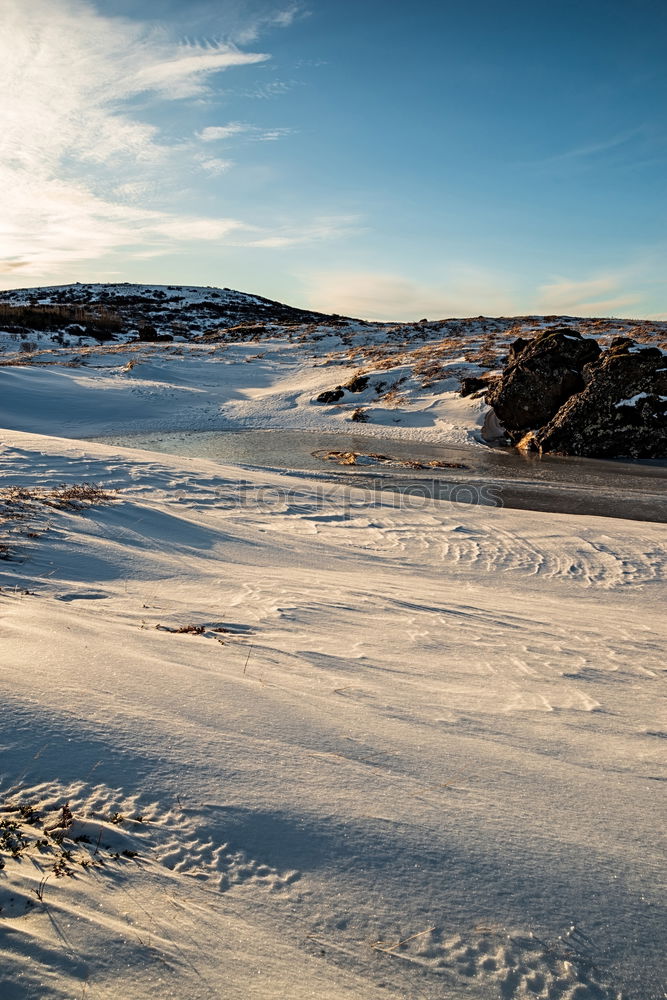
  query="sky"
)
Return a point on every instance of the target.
[{"x": 373, "y": 158}]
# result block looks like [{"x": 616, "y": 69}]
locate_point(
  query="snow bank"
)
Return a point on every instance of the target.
[{"x": 227, "y": 388}]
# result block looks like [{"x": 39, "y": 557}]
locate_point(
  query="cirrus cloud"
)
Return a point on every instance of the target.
[
  {"x": 598, "y": 296},
  {"x": 81, "y": 174},
  {"x": 463, "y": 291},
  {"x": 215, "y": 133}
]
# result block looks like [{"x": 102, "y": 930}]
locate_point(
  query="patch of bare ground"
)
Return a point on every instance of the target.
[{"x": 374, "y": 458}]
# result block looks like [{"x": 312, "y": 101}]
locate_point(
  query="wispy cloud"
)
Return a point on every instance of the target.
[
  {"x": 214, "y": 166},
  {"x": 282, "y": 18},
  {"x": 269, "y": 90},
  {"x": 78, "y": 166},
  {"x": 629, "y": 147},
  {"x": 594, "y": 148},
  {"x": 215, "y": 133},
  {"x": 463, "y": 291},
  {"x": 183, "y": 74},
  {"x": 598, "y": 296},
  {"x": 219, "y": 133},
  {"x": 469, "y": 290},
  {"x": 327, "y": 227}
]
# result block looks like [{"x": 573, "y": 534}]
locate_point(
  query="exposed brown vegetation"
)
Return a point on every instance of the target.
[
  {"x": 20, "y": 504},
  {"x": 76, "y": 496},
  {"x": 53, "y": 848},
  {"x": 101, "y": 323},
  {"x": 374, "y": 458},
  {"x": 210, "y": 630}
]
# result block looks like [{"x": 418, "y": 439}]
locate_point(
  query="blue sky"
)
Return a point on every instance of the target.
[{"x": 381, "y": 159}]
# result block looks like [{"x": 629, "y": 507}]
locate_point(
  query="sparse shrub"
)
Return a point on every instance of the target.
[
  {"x": 102, "y": 324},
  {"x": 19, "y": 503}
]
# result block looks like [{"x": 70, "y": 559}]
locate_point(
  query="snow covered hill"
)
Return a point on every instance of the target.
[
  {"x": 168, "y": 357},
  {"x": 183, "y": 310}
]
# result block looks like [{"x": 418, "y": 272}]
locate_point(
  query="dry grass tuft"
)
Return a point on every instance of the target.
[
  {"x": 76, "y": 496},
  {"x": 100, "y": 323},
  {"x": 20, "y": 505}
]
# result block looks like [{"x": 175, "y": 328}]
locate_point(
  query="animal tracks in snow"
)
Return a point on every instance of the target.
[
  {"x": 518, "y": 964},
  {"x": 106, "y": 826},
  {"x": 488, "y": 961},
  {"x": 223, "y": 865}
]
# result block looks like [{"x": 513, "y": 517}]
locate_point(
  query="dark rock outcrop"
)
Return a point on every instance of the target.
[
  {"x": 471, "y": 384},
  {"x": 561, "y": 394},
  {"x": 147, "y": 334},
  {"x": 331, "y": 395},
  {"x": 357, "y": 384},
  {"x": 516, "y": 348},
  {"x": 620, "y": 413},
  {"x": 541, "y": 375}
]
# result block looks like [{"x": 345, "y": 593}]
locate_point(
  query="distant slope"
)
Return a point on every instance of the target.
[
  {"x": 184, "y": 310},
  {"x": 121, "y": 311}
]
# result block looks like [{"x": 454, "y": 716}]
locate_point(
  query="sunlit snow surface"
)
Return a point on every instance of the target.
[{"x": 400, "y": 748}]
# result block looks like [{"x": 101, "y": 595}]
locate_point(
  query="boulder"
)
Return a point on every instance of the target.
[
  {"x": 478, "y": 383},
  {"x": 331, "y": 395},
  {"x": 541, "y": 375},
  {"x": 147, "y": 333},
  {"x": 621, "y": 412},
  {"x": 470, "y": 384},
  {"x": 357, "y": 384},
  {"x": 516, "y": 348}
]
